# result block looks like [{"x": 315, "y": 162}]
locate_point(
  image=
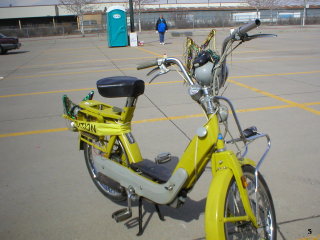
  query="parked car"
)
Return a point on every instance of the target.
[{"x": 8, "y": 43}]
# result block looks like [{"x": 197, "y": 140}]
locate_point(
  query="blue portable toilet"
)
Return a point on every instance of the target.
[{"x": 117, "y": 35}]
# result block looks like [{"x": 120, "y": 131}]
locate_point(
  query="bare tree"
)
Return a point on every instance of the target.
[
  {"x": 78, "y": 7},
  {"x": 304, "y": 2},
  {"x": 272, "y": 4},
  {"x": 138, "y": 7},
  {"x": 269, "y": 4}
]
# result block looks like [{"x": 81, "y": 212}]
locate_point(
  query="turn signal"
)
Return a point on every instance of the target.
[{"x": 244, "y": 182}]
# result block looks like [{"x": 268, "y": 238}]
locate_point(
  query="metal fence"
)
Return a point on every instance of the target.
[
  {"x": 229, "y": 18},
  {"x": 178, "y": 20}
]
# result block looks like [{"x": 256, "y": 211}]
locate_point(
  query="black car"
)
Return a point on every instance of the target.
[{"x": 8, "y": 43}]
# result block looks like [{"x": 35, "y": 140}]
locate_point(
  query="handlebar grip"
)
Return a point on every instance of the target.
[
  {"x": 248, "y": 27},
  {"x": 147, "y": 64}
]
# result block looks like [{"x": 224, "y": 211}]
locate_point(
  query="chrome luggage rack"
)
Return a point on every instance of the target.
[{"x": 247, "y": 139}]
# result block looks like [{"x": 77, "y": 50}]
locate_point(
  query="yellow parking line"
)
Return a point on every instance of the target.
[
  {"x": 67, "y": 49},
  {"x": 169, "y": 118},
  {"x": 39, "y": 93},
  {"x": 312, "y": 103},
  {"x": 106, "y": 70},
  {"x": 310, "y": 238},
  {"x": 268, "y": 59},
  {"x": 294, "y": 104},
  {"x": 125, "y": 69},
  {"x": 264, "y": 108},
  {"x": 33, "y": 132},
  {"x": 70, "y": 73},
  {"x": 86, "y": 61},
  {"x": 155, "y": 119},
  {"x": 276, "y": 74},
  {"x": 148, "y": 51},
  {"x": 141, "y": 58},
  {"x": 75, "y": 90},
  {"x": 230, "y": 80}
]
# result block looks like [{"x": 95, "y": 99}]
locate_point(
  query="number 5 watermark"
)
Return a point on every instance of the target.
[{"x": 309, "y": 232}]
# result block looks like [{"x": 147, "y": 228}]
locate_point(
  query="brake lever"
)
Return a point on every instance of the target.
[
  {"x": 260, "y": 35},
  {"x": 158, "y": 74},
  {"x": 163, "y": 70},
  {"x": 152, "y": 71}
]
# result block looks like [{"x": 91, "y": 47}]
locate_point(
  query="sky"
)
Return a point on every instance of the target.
[{"x": 6, "y": 3}]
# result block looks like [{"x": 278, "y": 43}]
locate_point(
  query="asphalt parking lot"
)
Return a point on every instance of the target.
[{"x": 46, "y": 192}]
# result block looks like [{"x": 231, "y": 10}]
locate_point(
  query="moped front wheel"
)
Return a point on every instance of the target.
[
  {"x": 105, "y": 185},
  {"x": 261, "y": 204}
]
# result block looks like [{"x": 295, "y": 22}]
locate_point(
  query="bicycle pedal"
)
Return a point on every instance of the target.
[
  {"x": 163, "y": 158},
  {"x": 122, "y": 214}
]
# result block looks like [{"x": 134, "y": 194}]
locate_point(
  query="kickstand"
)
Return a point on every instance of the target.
[
  {"x": 140, "y": 216},
  {"x": 159, "y": 213}
]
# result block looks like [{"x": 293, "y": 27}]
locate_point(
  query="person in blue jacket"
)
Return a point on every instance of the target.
[{"x": 161, "y": 28}]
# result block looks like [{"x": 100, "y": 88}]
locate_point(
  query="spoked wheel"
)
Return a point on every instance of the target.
[
  {"x": 266, "y": 215},
  {"x": 106, "y": 186}
]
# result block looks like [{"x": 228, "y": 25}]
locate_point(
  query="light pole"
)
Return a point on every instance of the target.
[{"x": 131, "y": 16}]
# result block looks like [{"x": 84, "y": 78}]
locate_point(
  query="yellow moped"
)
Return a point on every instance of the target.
[{"x": 239, "y": 204}]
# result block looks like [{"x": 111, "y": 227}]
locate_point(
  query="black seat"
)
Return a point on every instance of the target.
[
  {"x": 152, "y": 170},
  {"x": 121, "y": 86}
]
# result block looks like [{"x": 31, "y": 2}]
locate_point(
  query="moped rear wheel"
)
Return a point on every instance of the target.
[
  {"x": 106, "y": 186},
  {"x": 266, "y": 215}
]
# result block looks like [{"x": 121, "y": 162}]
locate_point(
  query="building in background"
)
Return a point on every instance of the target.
[{"x": 45, "y": 20}]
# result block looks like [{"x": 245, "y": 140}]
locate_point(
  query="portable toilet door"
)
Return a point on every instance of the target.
[{"x": 117, "y": 34}]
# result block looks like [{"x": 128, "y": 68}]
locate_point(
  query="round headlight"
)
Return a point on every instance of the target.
[{"x": 204, "y": 74}]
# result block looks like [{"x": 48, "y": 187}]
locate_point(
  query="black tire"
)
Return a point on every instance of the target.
[
  {"x": 108, "y": 187},
  {"x": 3, "y": 51},
  {"x": 234, "y": 207}
]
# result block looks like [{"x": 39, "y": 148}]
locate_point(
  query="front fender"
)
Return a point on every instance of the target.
[
  {"x": 214, "y": 212},
  {"x": 247, "y": 161}
]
